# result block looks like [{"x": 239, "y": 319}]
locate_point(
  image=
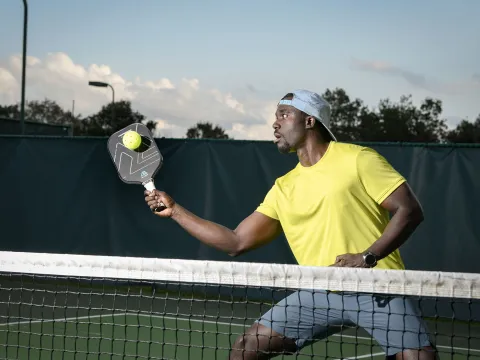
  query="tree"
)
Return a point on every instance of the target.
[
  {"x": 405, "y": 122},
  {"x": 205, "y": 130},
  {"x": 428, "y": 126},
  {"x": 465, "y": 132},
  {"x": 402, "y": 121},
  {"x": 110, "y": 118},
  {"x": 151, "y": 125},
  {"x": 351, "y": 120},
  {"x": 113, "y": 117},
  {"x": 345, "y": 114},
  {"x": 46, "y": 111},
  {"x": 10, "y": 111}
]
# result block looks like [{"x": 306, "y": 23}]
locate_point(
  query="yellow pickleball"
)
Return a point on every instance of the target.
[{"x": 132, "y": 140}]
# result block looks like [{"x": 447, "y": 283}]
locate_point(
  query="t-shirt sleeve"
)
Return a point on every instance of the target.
[
  {"x": 377, "y": 175},
  {"x": 269, "y": 205}
]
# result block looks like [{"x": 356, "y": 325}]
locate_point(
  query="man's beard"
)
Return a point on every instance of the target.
[{"x": 283, "y": 146}]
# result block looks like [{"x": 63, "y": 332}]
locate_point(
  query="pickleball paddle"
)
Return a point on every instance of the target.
[{"x": 138, "y": 166}]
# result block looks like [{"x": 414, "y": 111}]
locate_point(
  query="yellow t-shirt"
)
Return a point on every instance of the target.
[{"x": 333, "y": 207}]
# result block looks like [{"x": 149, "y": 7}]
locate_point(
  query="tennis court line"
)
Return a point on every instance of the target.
[
  {"x": 363, "y": 356},
  {"x": 190, "y": 319},
  {"x": 23, "y": 322}
]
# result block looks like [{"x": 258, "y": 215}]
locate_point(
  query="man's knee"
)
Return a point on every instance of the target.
[
  {"x": 261, "y": 342},
  {"x": 425, "y": 353}
]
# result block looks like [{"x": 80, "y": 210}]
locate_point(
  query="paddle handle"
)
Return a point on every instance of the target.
[{"x": 150, "y": 186}]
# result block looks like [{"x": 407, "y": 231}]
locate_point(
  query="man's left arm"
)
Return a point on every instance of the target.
[{"x": 407, "y": 214}]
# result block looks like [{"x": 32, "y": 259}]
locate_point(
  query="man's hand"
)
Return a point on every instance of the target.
[
  {"x": 155, "y": 198},
  {"x": 350, "y": 260}
]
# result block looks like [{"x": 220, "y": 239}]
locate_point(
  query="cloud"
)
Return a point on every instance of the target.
[
  {"x": 175, "y": 106},
  {"x": 251, "y": 88},
  {"x": 386, "y": 68},
  {"x": 418, "y": 80},
  {"x": 8, "y": 87}
]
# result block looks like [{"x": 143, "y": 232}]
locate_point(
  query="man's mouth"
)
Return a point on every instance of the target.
[{"x": 277, "y": 137}]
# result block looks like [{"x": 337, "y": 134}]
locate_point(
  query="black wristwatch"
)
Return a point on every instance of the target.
[{"x": 370, "y": 259}]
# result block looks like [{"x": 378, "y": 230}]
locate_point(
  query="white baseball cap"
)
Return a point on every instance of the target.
[{"x": 313, "y": 105}]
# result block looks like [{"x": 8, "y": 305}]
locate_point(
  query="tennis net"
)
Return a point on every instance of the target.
[{"x": 56, "y": 306}]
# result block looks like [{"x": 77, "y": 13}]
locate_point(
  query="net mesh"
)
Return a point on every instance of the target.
[{"x": 56, "y": 306}]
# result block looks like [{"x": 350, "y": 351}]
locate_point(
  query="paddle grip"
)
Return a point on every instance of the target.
[{"x": 150, "y": 186}]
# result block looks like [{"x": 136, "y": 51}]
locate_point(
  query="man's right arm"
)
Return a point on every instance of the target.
[{"x": 254, "y": 231}]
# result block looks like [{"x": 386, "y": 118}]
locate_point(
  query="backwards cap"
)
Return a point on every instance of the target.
[{"x": 313, "y": 105}]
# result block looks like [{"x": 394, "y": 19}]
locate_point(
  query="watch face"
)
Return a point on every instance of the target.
[{"x": 370, "y": 259}]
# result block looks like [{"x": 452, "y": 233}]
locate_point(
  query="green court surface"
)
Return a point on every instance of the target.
[
  {"x": 139, "y": 336},
  {"x": 76, "y": 319}
]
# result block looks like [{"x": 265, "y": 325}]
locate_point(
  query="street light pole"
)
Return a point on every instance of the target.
[
  {"x": 113, "y": 103},
  {"x": 104, "y": 84},
  {"x": 24, "y": 66}
]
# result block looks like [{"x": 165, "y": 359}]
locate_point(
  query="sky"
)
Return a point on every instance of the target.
[{"x": 229, "y": 62}]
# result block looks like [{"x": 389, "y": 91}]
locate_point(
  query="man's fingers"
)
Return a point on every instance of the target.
[
  {"x": 349, "y": 260},
  {"x": 158, "y": 206},
  {"x": 346, "y": 257},
  {"x": 154, "y": 192},
  {"x": 153, "y": 195},
  {"x": 155, "y": 202},
  {"x": 159, "y": 201}
]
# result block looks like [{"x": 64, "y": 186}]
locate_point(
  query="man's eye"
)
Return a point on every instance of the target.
[{"x": 284, "y": 116}]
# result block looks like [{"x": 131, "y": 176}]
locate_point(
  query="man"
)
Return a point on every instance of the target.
[{"x": 334, "y": 209}]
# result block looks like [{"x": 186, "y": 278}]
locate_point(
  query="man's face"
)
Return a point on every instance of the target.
[{"x": 289, "y": 128}]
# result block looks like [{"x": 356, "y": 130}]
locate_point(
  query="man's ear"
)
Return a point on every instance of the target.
[{"x": 310, "y": 122}]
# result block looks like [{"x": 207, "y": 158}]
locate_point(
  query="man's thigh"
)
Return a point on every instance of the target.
[
  {"x": 307, "y": 316},
  {"x": 394, "y": 322}
]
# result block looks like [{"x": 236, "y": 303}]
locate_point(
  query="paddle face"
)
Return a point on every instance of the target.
[{"x": 137, "y": 166}]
